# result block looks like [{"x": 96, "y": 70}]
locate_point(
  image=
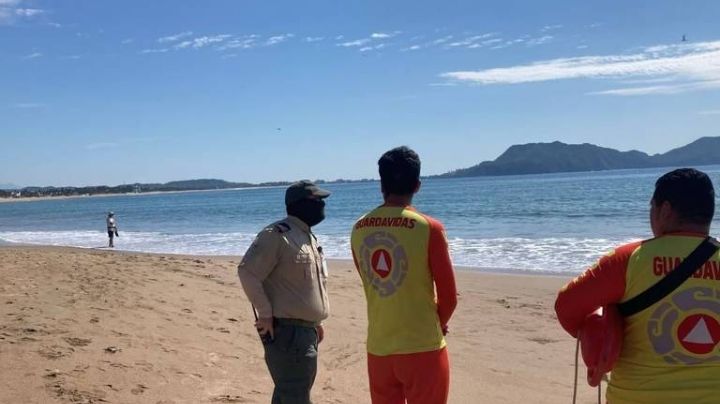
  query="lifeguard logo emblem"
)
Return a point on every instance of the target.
[
  {"x": 686, "y": 330},
  {"x": 381, "y": 263},
  {"x": 699, "y": 334},
  {"x": 384, "y": 262}
]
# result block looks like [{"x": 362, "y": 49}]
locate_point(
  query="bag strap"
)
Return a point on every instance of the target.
[{"x": 672, "y": 281}]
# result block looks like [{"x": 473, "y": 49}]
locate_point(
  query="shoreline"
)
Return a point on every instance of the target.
[
  {"x": 342, "y": 261},
  {"x": 64, "y": 197}
]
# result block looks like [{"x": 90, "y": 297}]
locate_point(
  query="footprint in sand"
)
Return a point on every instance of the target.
[
  {"x": 78, "y": 341},
  {"x": 503, "y": 302},
  {"x": 112, "y": 349},
  {"x": 55, "y": 352},
  {"x": 139, "y": 389},
  {"x": 542, "y": 340},
  {"x": 226, "y": 398}
]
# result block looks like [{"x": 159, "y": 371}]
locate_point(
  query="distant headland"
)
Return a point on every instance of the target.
[
  {"x": 530, "y": 158},
  {"x": 558, "y": 157}
]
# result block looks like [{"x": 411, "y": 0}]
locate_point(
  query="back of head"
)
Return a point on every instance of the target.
[
  {"x": 689, "y": 192},
  {"x": 399, "y": 171}
]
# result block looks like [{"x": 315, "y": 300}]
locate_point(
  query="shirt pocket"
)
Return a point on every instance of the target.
[{"x": 304, "y": 264}]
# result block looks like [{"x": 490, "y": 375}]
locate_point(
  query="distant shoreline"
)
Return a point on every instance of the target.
[{"x": 63, "y": 197}]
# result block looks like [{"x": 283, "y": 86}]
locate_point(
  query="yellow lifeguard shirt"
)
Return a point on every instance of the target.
[
  {"x": 401, "y": 256},
  {"x": 670, "y": 350}
]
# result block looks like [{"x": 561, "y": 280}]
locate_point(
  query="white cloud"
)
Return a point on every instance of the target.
[
  {"x": 127, "y": 41},
  {"x": 442, "y": 40},
  {"x": 33, "y": 55},
  {"x": 146, "y": 51},
  {"x": 174, "y": 38},
  {"x": 582, "y": 46},
  {"x": 369, "y": 48},
  {"x": 491, "y": 41},
  {"x": 201, "y": 42},
  {"x": 274, "y": 40},
  {"x": 247, "y": 42},
  {"x": 550, "y": 28},
  {"x": 690, "y": 66},
  {"x": 339, "y": 37},
  {"x": 509, "y": 43},
  {"x": 28, "y": 12},
  {"x": 357, "y": 42},
  {"x": 12, "y": 10},
  {"x": 362, "y": 42},
  {"x": 412, "y": 48},
  {"x": 668, "y": 79},
  {"x": 662, "y": 89},
  {"x": 709, "y": 112},
  {"x": 470, "y": 41},
  {"x": 314, "y": 38},
  {"x": 539, "y": 41}
]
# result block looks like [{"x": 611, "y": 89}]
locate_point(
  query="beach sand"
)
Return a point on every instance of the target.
[{"x": 92, "y": 326}]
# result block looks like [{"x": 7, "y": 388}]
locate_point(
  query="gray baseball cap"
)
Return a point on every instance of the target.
[{"x": 302, "y": 190}]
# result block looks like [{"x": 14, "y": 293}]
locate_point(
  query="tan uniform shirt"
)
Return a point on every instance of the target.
[{"x": 284, "y": 273}]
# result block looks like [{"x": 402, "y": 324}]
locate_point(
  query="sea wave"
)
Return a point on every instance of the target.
[{"x": 554, "y": 255}]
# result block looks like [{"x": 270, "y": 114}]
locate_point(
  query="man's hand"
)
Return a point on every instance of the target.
[
  {"x": 265, "y": 326},
  {"x": 320, "y": 332}
]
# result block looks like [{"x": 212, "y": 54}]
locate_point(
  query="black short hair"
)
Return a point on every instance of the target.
[
  {"x": 399, "y": 171},
  {"x": 690, "y": 192}
]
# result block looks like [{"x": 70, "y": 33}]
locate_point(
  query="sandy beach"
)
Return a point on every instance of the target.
[{"x": 96, "y": 326}]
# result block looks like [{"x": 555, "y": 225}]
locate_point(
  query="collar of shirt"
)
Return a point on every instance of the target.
[{"x": 294, "y": 221}]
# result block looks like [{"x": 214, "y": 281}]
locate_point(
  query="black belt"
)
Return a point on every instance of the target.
[{"x": 294, "y": 321}]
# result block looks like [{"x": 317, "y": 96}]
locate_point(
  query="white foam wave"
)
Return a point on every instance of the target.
[{"x": 565, "y": 255}]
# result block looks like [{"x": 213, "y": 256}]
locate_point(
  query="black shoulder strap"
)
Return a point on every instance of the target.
[{"x": 675, "y": 278}]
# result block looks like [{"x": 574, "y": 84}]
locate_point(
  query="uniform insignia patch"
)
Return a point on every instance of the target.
[{"x": 282, "y": 227}]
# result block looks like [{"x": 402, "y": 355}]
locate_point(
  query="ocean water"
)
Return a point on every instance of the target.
[{"x": 558, "y": 223}]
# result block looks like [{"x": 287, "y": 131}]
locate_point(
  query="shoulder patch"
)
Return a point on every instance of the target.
[{"x": 282, "y": 227}]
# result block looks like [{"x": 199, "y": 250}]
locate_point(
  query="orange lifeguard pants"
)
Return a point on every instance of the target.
[{"x": 419, "y": 378}]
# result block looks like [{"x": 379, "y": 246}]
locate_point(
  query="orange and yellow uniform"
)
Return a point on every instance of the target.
[
  {"x": 403, "y": 259},
  {"x": 670, "y": 350}
]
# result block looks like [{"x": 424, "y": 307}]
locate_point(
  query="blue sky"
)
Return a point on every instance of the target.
[{"x": 103, "y": 92}]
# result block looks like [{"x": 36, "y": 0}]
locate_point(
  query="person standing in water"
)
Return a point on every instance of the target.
[{"x": 112, "y": 229}]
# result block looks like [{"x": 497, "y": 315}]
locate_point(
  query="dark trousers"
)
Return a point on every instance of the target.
[{"x": 292, "y": 360}]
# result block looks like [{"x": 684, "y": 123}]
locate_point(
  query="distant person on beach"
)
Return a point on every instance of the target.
[
  {"x": 670, "y": 348},
  {"x": 284, "y": 275},
  {"x": 402, "y": 257},
  {"x": 112, "y": 229}
]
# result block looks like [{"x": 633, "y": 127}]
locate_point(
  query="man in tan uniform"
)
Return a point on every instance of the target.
[{"x": 284, "y": 276}]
